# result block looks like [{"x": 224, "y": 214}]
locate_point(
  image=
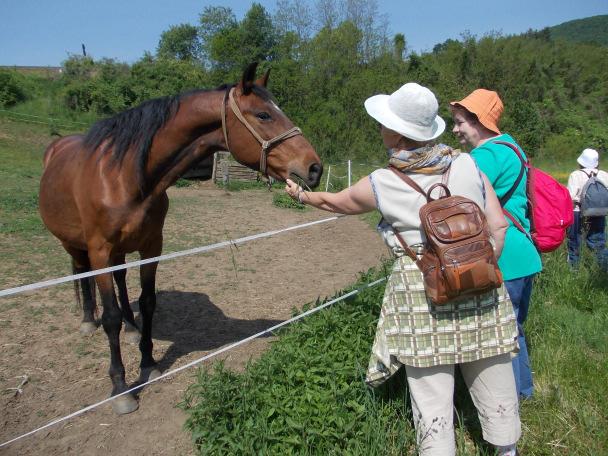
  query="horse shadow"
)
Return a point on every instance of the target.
[{"x": 193, "y": 323}]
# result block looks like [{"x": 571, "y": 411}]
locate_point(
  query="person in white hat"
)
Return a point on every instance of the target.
[
  {"x": 412, "y": 332},
  {"x": 593, "y": 227}
]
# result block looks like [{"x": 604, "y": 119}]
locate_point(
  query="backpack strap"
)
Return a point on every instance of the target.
[
  {"x": 524, "y": 164},
  {"x": 409, "y": 181},
  {"x": 590, "y": 175}
]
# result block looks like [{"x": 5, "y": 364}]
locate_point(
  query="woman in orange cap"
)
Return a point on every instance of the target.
[{"x": 476, "y": 126}]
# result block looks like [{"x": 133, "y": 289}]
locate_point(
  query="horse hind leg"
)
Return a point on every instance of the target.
[
  {"x": 84, "y": 288},
  {"x": 131, "y": 335}
]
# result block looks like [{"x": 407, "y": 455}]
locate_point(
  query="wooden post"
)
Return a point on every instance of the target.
[
  {"x": 226, "y": 176},
  {"x": 214, "y": 170},
  {"x": 349, "y": 173},
  {"x": 327, "y": 181}
]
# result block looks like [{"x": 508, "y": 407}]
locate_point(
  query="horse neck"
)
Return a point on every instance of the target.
[{"x": 193, "y": 134}]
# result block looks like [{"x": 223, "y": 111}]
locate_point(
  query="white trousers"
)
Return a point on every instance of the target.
[{"x": 492, "y": 387}]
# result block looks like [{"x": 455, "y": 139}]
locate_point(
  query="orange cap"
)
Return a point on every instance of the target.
[{"x": 486, "y": 105}]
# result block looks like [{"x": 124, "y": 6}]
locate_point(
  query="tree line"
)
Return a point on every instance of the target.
[{"x": 327, "y": 57}]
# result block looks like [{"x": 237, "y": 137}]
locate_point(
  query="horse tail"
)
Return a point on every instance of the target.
[
  {"x": 76, "y": 288},
  {"x": 92, "y": 285}
]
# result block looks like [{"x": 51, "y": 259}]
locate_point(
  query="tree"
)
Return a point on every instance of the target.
[
  {"x": 258, "y": 35},
  {"x": 180, "y": 42},
  {"x": 399, "y": 46},
  {"x": 294, "y": 16},
  {"x": 328, "y": 15},
  {"x": 217, "y": 27}
]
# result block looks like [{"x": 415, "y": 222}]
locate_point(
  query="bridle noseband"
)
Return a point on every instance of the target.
[{"x": 266, "y": 144}]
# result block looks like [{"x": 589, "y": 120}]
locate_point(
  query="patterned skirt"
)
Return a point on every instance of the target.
[{"x": 413, "y": 331}]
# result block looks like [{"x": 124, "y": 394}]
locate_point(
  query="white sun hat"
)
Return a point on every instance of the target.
[
  {"x": 589, "y": 158},
  {"x": 410, "y": 111}
]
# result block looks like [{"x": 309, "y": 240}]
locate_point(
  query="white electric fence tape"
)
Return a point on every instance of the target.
[
  {"x": 197, "y": 361},
  {"x": 169, "y": 256}
]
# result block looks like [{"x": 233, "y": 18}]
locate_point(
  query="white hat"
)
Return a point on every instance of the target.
[
  {"x": 589, "y": 158},
  {"x": 410, "y": 111}
]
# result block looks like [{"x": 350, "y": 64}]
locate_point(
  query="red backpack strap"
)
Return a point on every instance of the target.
[{"x": 518, "y": 225}]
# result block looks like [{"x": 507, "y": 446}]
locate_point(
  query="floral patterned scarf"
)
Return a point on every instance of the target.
[{"x": 429, "y": 159}]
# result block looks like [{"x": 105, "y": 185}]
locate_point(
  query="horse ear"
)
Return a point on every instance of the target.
[
  {"x": 263, "y": 81},
  {"x": 248, "y": 76}
]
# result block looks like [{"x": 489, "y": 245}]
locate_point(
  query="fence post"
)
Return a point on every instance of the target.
[
  {"x": 349, "y": 173},
  {"x": 327, "y": 181}
]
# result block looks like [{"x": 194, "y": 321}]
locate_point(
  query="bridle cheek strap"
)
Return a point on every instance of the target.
[{"x": 266, "y": 144}]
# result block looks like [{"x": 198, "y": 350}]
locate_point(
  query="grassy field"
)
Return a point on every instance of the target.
[{"x": 306, "y": 395}]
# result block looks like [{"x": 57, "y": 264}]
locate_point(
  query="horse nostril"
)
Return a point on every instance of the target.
[{"x": 314, "y": 173}]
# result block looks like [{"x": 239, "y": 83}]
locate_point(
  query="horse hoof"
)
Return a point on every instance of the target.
[
  {"x": 87, "y": 328},
  {"x": 132, "y": 336},
  {"x": 124, "y": 404},
  {"x": 149, "y": 373}
]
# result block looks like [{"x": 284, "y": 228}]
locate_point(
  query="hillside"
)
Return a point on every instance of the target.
[{"x": 588, "y": 30}]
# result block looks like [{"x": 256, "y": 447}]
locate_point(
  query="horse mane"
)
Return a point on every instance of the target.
[{"x": 133, "y": 130}]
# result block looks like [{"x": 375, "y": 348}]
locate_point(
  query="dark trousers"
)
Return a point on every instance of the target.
[{"x": 594, "y": 230}]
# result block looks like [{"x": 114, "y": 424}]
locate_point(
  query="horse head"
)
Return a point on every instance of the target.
[{"x": 261, "y": 136}]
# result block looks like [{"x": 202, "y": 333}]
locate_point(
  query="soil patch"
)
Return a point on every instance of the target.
[{"x": 204, "y": 302}]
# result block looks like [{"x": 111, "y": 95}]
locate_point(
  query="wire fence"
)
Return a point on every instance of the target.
[
  {"x": 40, "y": 120},
  {"x": 341, "y": 175},
  {"x": 270, "y": 330}
]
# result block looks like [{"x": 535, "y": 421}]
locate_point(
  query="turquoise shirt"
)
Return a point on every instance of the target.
[{"x": 519, "y": 257}]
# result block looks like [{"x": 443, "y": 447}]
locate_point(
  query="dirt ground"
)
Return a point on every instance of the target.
[{"x": 204, "y": 302}]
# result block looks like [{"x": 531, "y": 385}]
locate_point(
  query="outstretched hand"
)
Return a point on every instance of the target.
[{"x": 292, "y": 189}]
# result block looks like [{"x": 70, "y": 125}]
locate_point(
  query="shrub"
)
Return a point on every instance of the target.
[{"x": 12, "y": 89}]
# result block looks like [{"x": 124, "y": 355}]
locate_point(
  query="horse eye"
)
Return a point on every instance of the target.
[{"x": 263, "y": 115}]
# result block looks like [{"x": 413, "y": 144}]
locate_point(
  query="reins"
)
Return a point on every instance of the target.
[{"x": 266, "y": 144}]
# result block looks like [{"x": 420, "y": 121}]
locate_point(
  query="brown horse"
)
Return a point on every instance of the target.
[{"x": 103, "y": 194}]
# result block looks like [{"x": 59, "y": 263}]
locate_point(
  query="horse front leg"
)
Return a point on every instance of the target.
[
  {"x": 147, "y": 305},
  {"x": 111, "y": 320},
  {"x": 120, "y": 277}
]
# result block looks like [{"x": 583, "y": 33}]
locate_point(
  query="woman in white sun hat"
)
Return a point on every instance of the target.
[
  {"x": 593, "y": 227},
  {"x": 477, "y": 333}
]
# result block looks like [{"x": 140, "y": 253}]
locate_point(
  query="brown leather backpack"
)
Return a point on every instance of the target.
[{"x": 458, "y": 258}]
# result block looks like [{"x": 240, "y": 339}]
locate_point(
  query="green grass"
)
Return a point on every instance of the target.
[
  {"x": 283, "y": 200},
  {"x": 21, "y": 149},
  {"x": 306, "y": 394}
]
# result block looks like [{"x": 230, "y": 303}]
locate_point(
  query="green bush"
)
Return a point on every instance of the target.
[
  {"x": 12, "y": 90},
  {"x": 306, "y": 395}
]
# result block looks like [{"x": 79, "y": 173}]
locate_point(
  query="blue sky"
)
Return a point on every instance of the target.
[{"x": 44, "y": 32}]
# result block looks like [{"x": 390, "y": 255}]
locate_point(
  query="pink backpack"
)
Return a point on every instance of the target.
[{"x": 549, "y": 206}]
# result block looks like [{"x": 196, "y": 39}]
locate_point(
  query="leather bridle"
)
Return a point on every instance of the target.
[{"x": 266, "y": 144}]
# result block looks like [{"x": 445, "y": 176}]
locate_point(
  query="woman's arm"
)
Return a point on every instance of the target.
[
  {"x": 356, "y": 199},
  {"x": 496, "y": 220}
]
